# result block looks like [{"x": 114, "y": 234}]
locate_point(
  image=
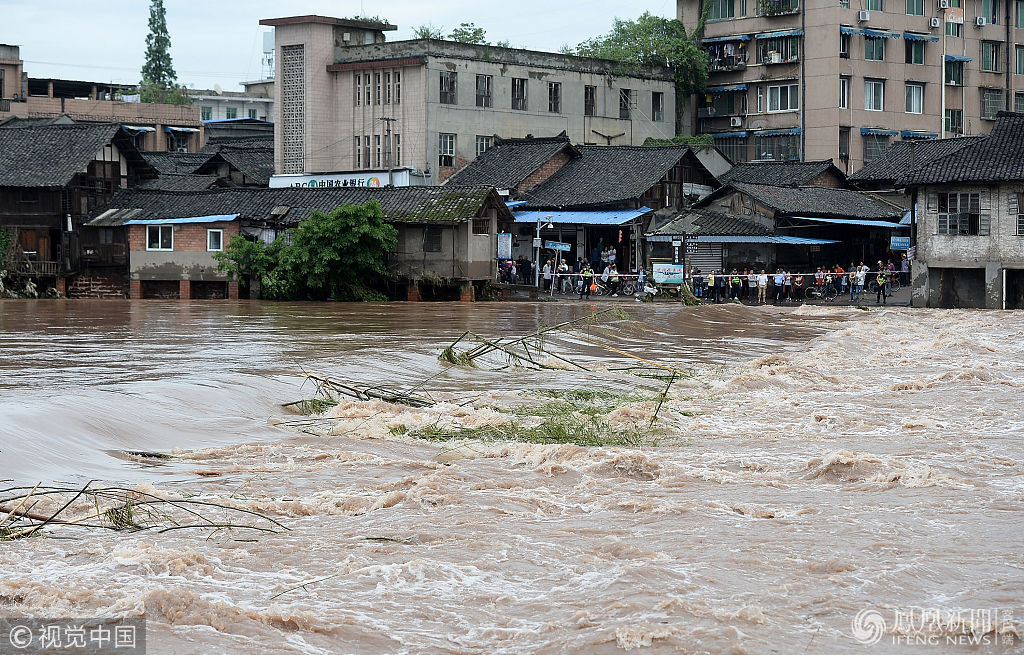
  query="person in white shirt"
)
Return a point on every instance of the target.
[
  {"x": 751, "y": 285},
  {"x": 862, "y": 273},
  {"x": 780, "y": 281},
  {"x": 547, "y": 274},
  {"x": 762, "y": 286}
]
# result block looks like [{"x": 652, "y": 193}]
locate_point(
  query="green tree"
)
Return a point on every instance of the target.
[
  {"x": 655, "y": 41},
  {"x": 469, "y": 33},
  {"x": 159, "y": 81},
  {"x": 428, "y": 31}
]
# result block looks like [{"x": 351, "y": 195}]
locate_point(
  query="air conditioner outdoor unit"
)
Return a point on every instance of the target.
[
  {"x": 736, "y": 121},
  {"x": 863, "y": 16},
  {"x": 943, "y": 4},
  {"x": 776, "y": 57},
  {"x": 936, "y": 22},
  {"x": 182, "y": 149},
  {"x": 980, "y": 21}
]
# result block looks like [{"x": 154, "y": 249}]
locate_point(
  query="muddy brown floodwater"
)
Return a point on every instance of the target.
[{"x": 818, "y": 464}]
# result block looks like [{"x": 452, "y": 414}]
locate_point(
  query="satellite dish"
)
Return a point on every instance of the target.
[{"x": 218, "y": 89}]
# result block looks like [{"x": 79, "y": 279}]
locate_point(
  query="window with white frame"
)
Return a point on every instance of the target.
[
  {"x": 844, "y": 46},
  {"x": 206, "y": 113},
  {"x": 990, "y": 56},
  {"x": 231, "y": 112},
  {"x": 990, "y": 10},
  {"x": 955, "y": 121},
  {"x": 446, "y": 150},
  {"x": 252, "y": 113},
  {"x": 874, "y": 48},
  {"x": 721, "y": 9},
  {"x": 1020, "y": 212},
  {"x": 483, "y": 144},
  {"x": 214, "y": 240},
  {"x": 387, "y": 87},
  {"x": 398, "y": 149},
  {"x": 398, "y": 87},
  {"x": 589, "y": 100},
  {"x": 377, "y": 150},
  {"x": 449, "y": 93},
  {"x": 955, "y": 73},
  {"x": 915, "y": 7},
  {"x": 519, "y": 93},
  {"x": 844, "y": 144},
  {"x": 784, "y": 97},
  {"x": 484, "y": 85},
  {"x": 874, "y": 95},
  {"x": 779, "y": 50},
  {"x": 378, "y": 96},
  {"x": 1018, "y": 69},
  {"x": 1018, "y": 102},
  {"x": 844, "y": 92},
  {"x": 357, "y": 89},
  {"x": 366, "y": 151},
  {"x": 991, "y": 103},
  {"x": 358, "y": 156},
  {"x": 960, "y": 214},
  {"x": 954, "y": 29},
  {"x": 915, "y": 51},
  {"x": 366, "y": 89},
  {"x": 914, "y": 98},
  {"x": 159, "y": 237},
  {"x": 625, "y": 103},
  {"x": 874, "y": 5},
  {"x": 657, "y": 106},
  {"x": 555, "y": 97}
]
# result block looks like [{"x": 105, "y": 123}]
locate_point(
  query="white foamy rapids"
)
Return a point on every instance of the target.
[{"x": 878, "y": 465}]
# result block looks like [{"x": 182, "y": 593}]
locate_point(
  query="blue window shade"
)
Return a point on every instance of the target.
[
  {"x": 866, "y": 131},
  {"x": 911, "y": 134},
  {"x": 881, "y": 34},
  {"x": 795, "y": 130},
  {"x": 726, "y": 88},
  {"x": 843, "y": 29},
  {"x": 730, "y": 135},
  {"x": 911, "y": 36},
  {"x": 773, "y": 35},
  {"x": 722, "y": 39},
  {"x": 957, "y": 58}
]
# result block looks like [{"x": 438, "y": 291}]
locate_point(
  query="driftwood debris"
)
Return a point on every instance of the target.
[{"x": 332, "y": 389}]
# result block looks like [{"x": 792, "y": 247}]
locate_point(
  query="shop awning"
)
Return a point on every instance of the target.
[
  {"x": 775, "y": 35},
  {"x": 913, "y": 134},
  {"x": 723, "y": 39},
  {"x": 881, "y": 34},
  {"x": 214, "y": 218},
  {"x": 850, "y": 221},
  {"x": 957, "y": 58},
  {"x": 877, "y": 131},
  {"x": 914, "y": 36},
  {"x": 168, "y": 128},
  {"x": 741, "y": 238},
  {"x": 726, "y": 88},
  {"x": 582, "y": 217},
  {"x": 795, "y": 130},
  {"x": 729, "y": 135}
]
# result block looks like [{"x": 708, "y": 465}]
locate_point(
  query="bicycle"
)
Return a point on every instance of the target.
[{"x": 826, "y": 292}]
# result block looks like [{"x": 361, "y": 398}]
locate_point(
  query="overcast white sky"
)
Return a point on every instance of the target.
[{"x": 221, "y": 42}]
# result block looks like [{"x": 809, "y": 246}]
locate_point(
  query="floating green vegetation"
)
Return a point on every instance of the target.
[
  {"x": 311, "y": 406},
  {"x": 578, "y": 429}
]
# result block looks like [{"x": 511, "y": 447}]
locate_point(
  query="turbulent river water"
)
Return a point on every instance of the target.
[{"x": 815, "y": 464}]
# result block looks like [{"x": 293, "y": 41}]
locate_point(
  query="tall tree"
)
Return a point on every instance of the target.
[
  {"x": 159, "y": 81},
  {"x": 428, "y": 31},
  {"x": 655, "y": 41},
  {"x": 469, "y": 33}
]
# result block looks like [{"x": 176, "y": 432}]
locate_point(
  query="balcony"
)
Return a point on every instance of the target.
[
  {"x": 777, "y": 58},
  {"x": 98, "y": 254},
  {"x": 777, "y": 7},
  {"x": 726, "y": 64}
]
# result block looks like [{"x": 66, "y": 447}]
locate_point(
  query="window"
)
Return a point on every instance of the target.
[
  {"x": 874, "y": 95},
  {"x": 844, "y": 4},
  {"x": 252, "y": 113},
  {"x": 1019, "y": 67},
  {"x": 177, "y": 141},
  {"x": 721, "y": 9},
  {"x": 1020, "y": 14},
  {"x": 844, "y": 144},
  {"x": 955, "y": 73},
  {"x": 727, "y": 103},
  {"x": 991, "y": 103},
  {"x": 874, "y": 5},
  {"x": 735, "y": 148},
  {"x": 844, "y": 92},
  {"x": 955, "y": 121},
  {"x": 1018, "y": 102},
  {"x": 784, "y": 98},
  {"x": 519, "y": 93},
  {"x": 960, "y": 214},
  {"x": 446, "y": 150},
  {"x": 387, "y": 88},
  {"x": 206, "y": 113},
  {"x": 915, "y": 7},
  {"x": 844, "y": 45},
  {"x": 874, "y": 144},
  {"x": 483, "y": 90},
  {"x": 778, "y": 147},
  {"x": 483, "y": 144},
  {"x": 366, "y": 151},
  {"x": 990, "y": 10},
  {"x": 377, "y": 150},
  {"x": 874, "y": 48},
  {"x": 357, "y": 88},
  {"x": 366, "y": 89},
  {"x": 625, "y": 102},
  {"x": 28, "y": 196},
  {"x": 214, "y": 240},
  {"x": 231, "y": 112},
  {"x": 482, "y": 226},
  {"x": 779, "y": 50},
  {"x": 358, "y": 156},
  {"x": 431, "y": 239},
  {"x": 1020, "y": 213},
  {"x": 448, "y": 91},
  {"x": 589, "y": 100},
  {"x": 657, "y": 106},
  {"x": 954, "y": 29},
  {"x": 914, "y": 99},
  {"x": 398, "y": 149},
  {"x": 159, "y": 237},
  {"x": 990, "y": 56},
  {"x": 915, "y": 51},
  {"x": 398, "y": 87},
  {"x": 775, "y": 7},
  {"x": 555, "y": 97}
]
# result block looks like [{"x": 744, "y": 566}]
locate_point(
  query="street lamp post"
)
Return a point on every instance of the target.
[{"x": 536, "y": 251}]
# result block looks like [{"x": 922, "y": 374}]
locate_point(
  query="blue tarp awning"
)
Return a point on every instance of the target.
[
  {"x": 914, "y": 134},
  {"x": 135, "y": 129},
  {"x": 731, "y": 37},
  {"x": 876, "y": 131},
  {"x": 214, "y": 218},
  {"x": 729, "y": 135},
  {"x": 795, "y": 130},
  {"x": 843, "y": 29},
  {"x": 168, "y": 128},
  {"x": 850, "y": 221},
  {"x": 582, "y": 216},
  {"x": 881, "y": 34},
  {"x": 515, "y": 203},
  {"x": 957, "y": 58},
  {"x": 906, "y": 218},
  {"x": 914, "y": 36},
  {"x": 726, "y": 88},
  {"x": 744, "y": 238},
  {"x": 775, "y": 35}
]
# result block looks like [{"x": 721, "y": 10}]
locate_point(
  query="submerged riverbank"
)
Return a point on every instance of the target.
[{"x": 816, "y": 462}]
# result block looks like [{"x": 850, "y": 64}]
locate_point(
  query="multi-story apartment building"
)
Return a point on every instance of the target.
[
  {"x": 349, "y": 100},
  {"x": 218, "y": 105},
  {"x": 841, "y": 79}
]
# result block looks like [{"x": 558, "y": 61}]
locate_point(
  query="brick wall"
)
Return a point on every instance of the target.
[
  {"x": 188, "y": 237},
  {"x": 546, "y": 170}
]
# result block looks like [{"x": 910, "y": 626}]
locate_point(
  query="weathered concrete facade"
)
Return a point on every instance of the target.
[
  {"x": 447, "y": 100},
  {"x": 187, "y": 263}
]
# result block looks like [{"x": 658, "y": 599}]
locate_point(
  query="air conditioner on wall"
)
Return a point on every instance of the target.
[
  {"x": 863, "y": 16},
  {"x": 980, "y": 21},
  {"x": 943, "y": 4},
  {"x": 736, "y": 121},
  {"x": 936, "y": 22}
]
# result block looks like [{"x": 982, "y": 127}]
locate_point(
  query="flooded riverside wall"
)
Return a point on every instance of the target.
[{"x": 817, "y": 466}]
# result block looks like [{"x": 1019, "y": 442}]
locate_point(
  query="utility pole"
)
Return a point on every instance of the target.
[{"x": 388, "y": 120}]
